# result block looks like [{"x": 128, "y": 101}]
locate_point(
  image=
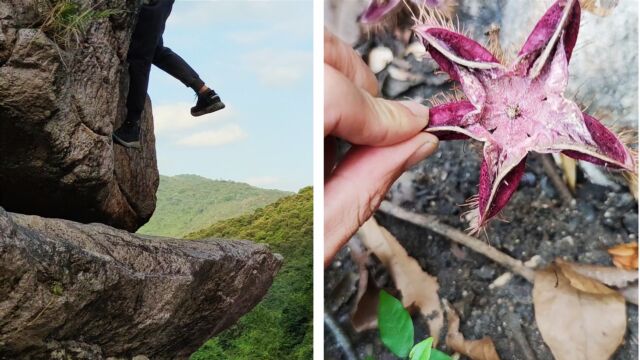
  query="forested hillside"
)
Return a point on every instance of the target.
[
  {"x": 188, "y": 203},
  {"x": 280, "y": 327}
]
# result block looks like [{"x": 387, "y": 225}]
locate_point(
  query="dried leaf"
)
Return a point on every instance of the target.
[
  {"x": 364, "y": 315},
  {"x": 482, "y": 349},
  {"x": 607, "y": 275},
  {"x": 599, "y": 7},
  {"x": 576, "y": 324},
  {"x": 416, "y": 286},
  {"x": 569, "y": 166},
  {"x": 625, "y": 256},
  {"x": 630, "y": 293},
  {"x": 581, "y": 282}
]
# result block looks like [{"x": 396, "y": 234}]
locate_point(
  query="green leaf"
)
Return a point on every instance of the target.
[
  {"x": 439, "y": 355},
  {"x": 394, "y": 322},
  {"x": 369, "y": 357},
  {"x": 422, "y": 350}
]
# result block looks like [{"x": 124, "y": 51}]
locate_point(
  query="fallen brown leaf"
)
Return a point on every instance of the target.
[
  {"x": 364, "y": 315},
  {"x": 577, "y": 324},
  {"x": 630, "y": 293},
  {"x": 482, "y": 349},
  {"x": 582, "y": 282},
  {"x": 365, "y": 312},
  {"x": 625, "y": 256},
  {"x": 607, "y": 275},
  {"x": 418, "y": 288}
]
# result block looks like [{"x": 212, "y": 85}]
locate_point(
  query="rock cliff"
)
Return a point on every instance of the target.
[
  {"x": 90, "y": 291},
  {"x": 60, "y": 100},
  {"x": 69, "y": 290}
]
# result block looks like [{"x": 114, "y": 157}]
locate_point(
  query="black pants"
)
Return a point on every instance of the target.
[{"x": 147, "y": 48}]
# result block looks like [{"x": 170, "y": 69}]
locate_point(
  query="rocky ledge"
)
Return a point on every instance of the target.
[{"x": 70, "y": 290}]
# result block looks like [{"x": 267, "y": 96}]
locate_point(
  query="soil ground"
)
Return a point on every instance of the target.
[{"x": 538, "y": 224}]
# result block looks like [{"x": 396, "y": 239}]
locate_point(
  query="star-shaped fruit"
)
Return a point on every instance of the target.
[
  {"x": 377, "y": 10},
  {"x": 517, "y": 108}
]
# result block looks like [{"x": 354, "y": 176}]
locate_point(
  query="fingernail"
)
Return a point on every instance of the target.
[
  {"x": 428, "y": 147},
  {"x": 420, "y": 111}
]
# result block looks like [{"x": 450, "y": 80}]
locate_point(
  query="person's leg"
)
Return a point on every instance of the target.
[
  {"x": 144, "y": 41},
  {"x": 176, "y": 66},
  {"x": 171, "y": 63}
]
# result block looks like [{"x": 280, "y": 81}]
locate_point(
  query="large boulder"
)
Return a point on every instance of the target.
[
  {"x": 60, "y": 100},
  {"x": 69, "y": 290}
]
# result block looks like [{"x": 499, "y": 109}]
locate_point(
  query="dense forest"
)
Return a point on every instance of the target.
[{"x": 280, "y": 327}]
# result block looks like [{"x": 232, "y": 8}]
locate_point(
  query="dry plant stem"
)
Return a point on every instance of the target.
[
  {"x": 430, "y": 222},
  {"x": 558, "y": 183},
  {"x": 513, "y": 324},
  {"x": 341, "y": 339}
]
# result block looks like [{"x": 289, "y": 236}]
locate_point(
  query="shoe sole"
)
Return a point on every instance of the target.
[
  {"x": 131, "y": 145},
  {"x": 209, "y": 109}
]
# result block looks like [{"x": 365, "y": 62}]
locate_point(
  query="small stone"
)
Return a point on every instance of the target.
[
  {"x": 416, "y": 49},
  {"x": 501, "y": 280},
  {"x": 587, "y": 211},
  {"x": 547, "y": 188},
  {"x": 379, "y": 58},
  {"x": 624, "y": 200},
  {"x": 611, "y": 223},
  {"x": 630, "y": 222},
  {"x": 528, "y": 179},
  {"x": 486, "y": 272},
  {"x": 564, "y": 245}
]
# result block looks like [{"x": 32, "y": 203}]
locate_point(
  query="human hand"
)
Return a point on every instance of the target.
[{"x": 386, "y": 137}]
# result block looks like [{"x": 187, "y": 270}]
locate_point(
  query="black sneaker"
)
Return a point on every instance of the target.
[
  {"x": 128, "y": 135},
  {"x": 207, "y": 103}
]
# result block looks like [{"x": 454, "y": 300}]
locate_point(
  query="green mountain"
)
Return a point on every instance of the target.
[
  {"x": 187, "y": 203},
  {"x": 280, "y": 327}
]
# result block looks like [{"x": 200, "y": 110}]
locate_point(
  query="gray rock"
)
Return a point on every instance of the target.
[
  {"x": 59, "y": 104},
  {"x": 528, "y": 179},
  {"x": 69, "y": 290},
  {"x": 486, "y": 272},
  {"x": 630, "y": 221}
]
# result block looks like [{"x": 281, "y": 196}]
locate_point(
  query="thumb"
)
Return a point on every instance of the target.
[{"x": 356, "y": 188}]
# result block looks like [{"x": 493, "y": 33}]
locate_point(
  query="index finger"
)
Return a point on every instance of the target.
[
  {"x": 343, "y": 58},
  {"x": 352, "y": 114}
]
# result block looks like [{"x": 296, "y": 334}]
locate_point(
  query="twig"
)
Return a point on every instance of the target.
[
  {"x": 513, "y": 324},
  {"x": 341, "y": 339},
  {"x": 558, "y": 183},
  {"x": 432, "y": 223}
]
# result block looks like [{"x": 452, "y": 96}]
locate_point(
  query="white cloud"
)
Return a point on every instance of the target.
[
  {"x": 280, "y": 68},
  {"x": 260, "y": 181},
  {"x": 198, "y": 13},
  {"x": 222, "y": 136},
  {"x": 171, "y": 117}
]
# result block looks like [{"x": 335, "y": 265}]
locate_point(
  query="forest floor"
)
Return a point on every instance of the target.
[{"x": 539, "y": 224}]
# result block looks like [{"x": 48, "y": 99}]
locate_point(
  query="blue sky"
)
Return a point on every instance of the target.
[{"x": 258, "y": 56}]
